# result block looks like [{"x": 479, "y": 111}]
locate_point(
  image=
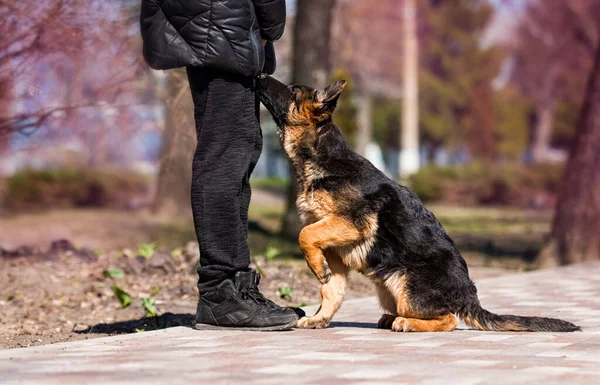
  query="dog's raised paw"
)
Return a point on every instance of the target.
[
  {"x": 326, "y": 275},
  {"x": 325, "y": 278},
  {"x": 313, "y": 322}
]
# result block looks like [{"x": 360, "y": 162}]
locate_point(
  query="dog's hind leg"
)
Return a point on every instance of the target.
[
  {"x": 388, "y": 304},
  {"x": 410, "y": 318},
  {"x": 332, "y": 294},
  {"x": 444, "y": 323}
]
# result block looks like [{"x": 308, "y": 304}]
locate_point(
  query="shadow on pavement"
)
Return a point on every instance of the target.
[
  {"x": 163, "y": 321},
  {"x": 362, "y": 325}
]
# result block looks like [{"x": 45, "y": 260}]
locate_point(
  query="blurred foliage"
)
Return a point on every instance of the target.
[
  {"x": 454, "y": 66},
  {"x": 566, "y": 115},
  {"x": 73, "y": 187},
  {"x": 481, "y": 184},
  {"x": 345, "y": 113},
  {"x": 149, "y": 306},
  {"x": 512, "y": 111},
  {"x": 122, "y": 296},
  {"x": 113, "y": 273},
  {"x": 275, "y": 183},
  {"x": 568, "y": 109},
  {"x": 147, "y": 250},
  {"x": 285, "y": 292},
  {"x": 271, "y": 252},
  {"x": 386, "y": 123}
]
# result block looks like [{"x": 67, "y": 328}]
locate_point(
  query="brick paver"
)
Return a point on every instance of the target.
[{"x": 352, "y": 350}]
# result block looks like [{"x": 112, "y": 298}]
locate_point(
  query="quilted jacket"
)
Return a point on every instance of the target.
[{"x": 219, "y": 34}]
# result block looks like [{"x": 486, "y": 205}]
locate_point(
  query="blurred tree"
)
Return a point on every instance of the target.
[
  {"x": 62, "y": 93},
  {"x": 512, "y": 113},
  {"x": 386, "y": 123},
  {"x": 565, "y": 121},
  {"x": 456, "y": 75},
  {"x": 345, "y": 113},
  {"x": 409, "y": 143},
  {"x": 178, "y": 141},
  {"x": 550, "y": 61},
  {"x": 365, "y": 44},
  {"x": 311, "y": 66},
  {"x": 33, "y": 32},
  {"x": 6, "y": 88},
  {"x": 173, "y": 195},
  {"x": 483, "y": 131},
  {"x": 576, "y": 224}
]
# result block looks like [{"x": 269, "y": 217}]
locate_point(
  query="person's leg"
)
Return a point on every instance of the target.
[
  {"x": 226, "y": 126},
  {"x": 256, "y": 151},
  {"x": 229, "y": 144}
]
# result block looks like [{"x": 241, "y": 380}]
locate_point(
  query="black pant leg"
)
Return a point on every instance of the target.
[
  {"x": 256, "y": 151},
  {"x": 226, "y": 126}
]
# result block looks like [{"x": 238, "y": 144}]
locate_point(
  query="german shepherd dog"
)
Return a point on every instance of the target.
[{"x": 357, "y": 218}]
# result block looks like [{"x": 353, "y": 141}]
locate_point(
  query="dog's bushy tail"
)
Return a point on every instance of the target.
[{"x": 477, "y": 317}]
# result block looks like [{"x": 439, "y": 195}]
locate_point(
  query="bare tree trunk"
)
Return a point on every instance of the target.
[
  {"x": 365, "y": 122},
  {"x": 543, "y": 132},
  {"x": 409, "y": 154},
  {"x": 577, "y": 221},
  {"x": 6, "y": 91},
  {"x": 311, "y": 66},
  {"x": 179, "y": 143}
]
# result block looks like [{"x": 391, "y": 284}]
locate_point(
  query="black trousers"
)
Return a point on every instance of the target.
[{"x": 229, "y": 144}]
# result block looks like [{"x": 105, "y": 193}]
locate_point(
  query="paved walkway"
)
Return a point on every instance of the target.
[{"x": 352, "y": 351}]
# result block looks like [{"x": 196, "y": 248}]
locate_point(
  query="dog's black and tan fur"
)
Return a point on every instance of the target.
[{"x": 357, "y": 218}]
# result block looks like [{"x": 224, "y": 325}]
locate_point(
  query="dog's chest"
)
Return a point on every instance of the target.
[{"x": 314, "y": 206}]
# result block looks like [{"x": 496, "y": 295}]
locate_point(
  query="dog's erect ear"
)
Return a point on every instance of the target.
[{"x": 331, "y": 93}]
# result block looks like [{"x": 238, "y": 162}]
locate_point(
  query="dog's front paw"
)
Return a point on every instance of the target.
[
  {"x": 314, "y": 322},
  {"x": 402, "y": 324}
]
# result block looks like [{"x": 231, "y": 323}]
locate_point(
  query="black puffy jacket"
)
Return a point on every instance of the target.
[{"x": 219, "y": 34}]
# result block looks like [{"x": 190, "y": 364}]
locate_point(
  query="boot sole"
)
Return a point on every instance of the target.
[{"x": 276, "y": 328}]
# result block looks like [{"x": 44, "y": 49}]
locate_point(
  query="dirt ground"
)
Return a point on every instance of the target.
[{"x": 63, "y": 294}]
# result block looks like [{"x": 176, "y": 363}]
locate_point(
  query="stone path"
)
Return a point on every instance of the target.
[{"x": 352, "y": 350}]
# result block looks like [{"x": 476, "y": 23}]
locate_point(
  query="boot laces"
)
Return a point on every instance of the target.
[{"x": 255, "y": 295}]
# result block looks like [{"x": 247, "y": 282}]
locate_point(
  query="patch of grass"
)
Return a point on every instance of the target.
[
  {"x": 496, "y": 233},
  {"x": 123, "y": 297},
  {"x": 34, "y": 189},
  {"x": 271, "y": 252},
  {"x": 285, "y": 292},
  {"x": 147, "y": 250},
  {"x": 275, "y": 184},
  {"x": 483, "y": 184},
  {"x": 269, "y": 216},
  {"x": 113, "y": 273},
  {"x": 173, "y": 234},
  {"x": 149, "y": 306},
  {"x": 177, "y": 252}
]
